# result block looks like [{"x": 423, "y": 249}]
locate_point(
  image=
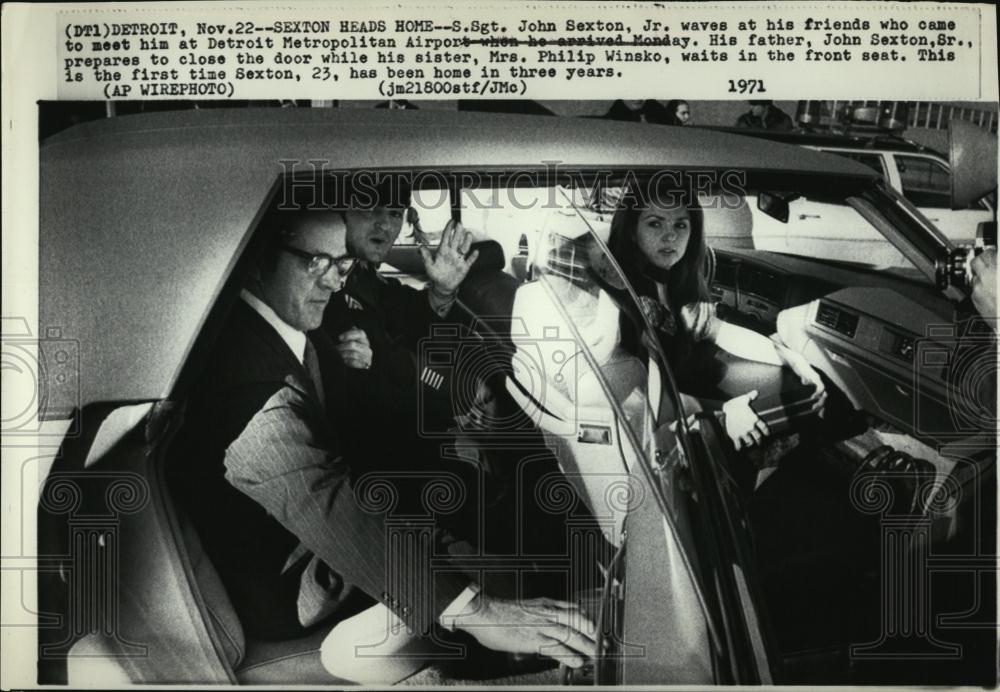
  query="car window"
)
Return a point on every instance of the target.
[
  {"x": 431, "y": 211},
  {"x": 521, "y": 218},
  {"x": 925, "y": 182},
  {"x": 513, "y": 217},
  {"x": 874, "y": 161}
]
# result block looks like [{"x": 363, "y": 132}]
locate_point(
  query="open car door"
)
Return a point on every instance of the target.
[
  {"x": 679, "y": 601},
  {"x": 127, "y": 284}
]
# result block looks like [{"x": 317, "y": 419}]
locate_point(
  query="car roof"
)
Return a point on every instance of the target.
[
  {"x": 386, "y": 138},
  {"x": 143, "y": 217},
  {"x": 878, "y": 141}
]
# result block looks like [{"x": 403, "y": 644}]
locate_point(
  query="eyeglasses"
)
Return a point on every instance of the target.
[{"x": 319, "y": 263}]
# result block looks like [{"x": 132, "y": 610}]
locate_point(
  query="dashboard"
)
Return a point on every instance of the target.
[
  {"x": 759, "y": 284},
  {"x": 899, "y": 350},
  {"x": 751, "y": 290},
  {"x": 907, "y": 364},
  {"x": 755, "y": 286}
]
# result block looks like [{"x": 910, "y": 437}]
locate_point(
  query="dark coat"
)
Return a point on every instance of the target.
[
  {"x": 247, "y": 366},
  {"x": 774, "y": 119},
  {"x": 250, "y": 549},
  {"x": 653, "y": 111},
  {"x": 397, "y": 319}
]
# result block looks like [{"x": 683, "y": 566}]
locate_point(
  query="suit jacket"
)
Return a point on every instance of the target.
[
  {"x": 394, "y": 316},
  {"x": 259, "y": 559},
  {"x": 288, "y": 460}
]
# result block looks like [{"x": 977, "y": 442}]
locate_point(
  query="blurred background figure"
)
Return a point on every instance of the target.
[
  {"x": 638, "y": 111},
  {"x": 397, "y": 105},
  {"x": 678, "y": 112},
  {"x": 763, "y": 115}
]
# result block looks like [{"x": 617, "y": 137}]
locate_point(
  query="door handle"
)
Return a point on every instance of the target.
[{"x": 803, "y": 217}]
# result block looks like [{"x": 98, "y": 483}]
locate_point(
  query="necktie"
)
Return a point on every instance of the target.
[{"x": 311, "y": 363}]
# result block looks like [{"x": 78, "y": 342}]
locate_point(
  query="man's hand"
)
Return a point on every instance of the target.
[
  {"x": 743, "y": 425},
  {"x": 556, "y": 629},
  {"x": 984, "y": 283},
  {"x": 447, "y": 267},
  {"x": 354, "y": 349}
]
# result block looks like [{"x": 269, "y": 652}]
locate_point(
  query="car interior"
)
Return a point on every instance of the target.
[
  {"x": 864, "y": 327},
  {"x": 537, "y": 360}
]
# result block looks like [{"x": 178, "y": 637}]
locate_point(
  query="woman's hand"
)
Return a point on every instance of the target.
[
  {"x": 797, "y": 362},
  {"x": 743, "y": 425},
  {"x": 699, "y": 319}
]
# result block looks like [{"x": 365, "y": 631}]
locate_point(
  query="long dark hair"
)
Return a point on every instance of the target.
[
  {"x": 672, "y": 107},
  {"x": 686, "y": 281}
]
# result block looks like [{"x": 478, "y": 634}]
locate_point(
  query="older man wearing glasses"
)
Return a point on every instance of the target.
[{"x": 261, "y": 468}]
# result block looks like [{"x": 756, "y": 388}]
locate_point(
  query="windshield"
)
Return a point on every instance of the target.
[{"x": 825, "y": 230}]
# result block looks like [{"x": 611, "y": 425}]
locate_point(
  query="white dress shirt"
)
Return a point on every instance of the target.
[{"x": 295, "y": 339}]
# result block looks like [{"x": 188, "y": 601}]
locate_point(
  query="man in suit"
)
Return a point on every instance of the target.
[
  {"x": 273, "y": 498},
  {"x": 255, "y": 352}
]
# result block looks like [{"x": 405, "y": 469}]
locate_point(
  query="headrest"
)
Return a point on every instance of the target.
[
  {"x": 726, "y": 227},
  {"x": 490, "y": 256}
]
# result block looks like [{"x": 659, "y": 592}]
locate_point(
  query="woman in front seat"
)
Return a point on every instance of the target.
[{"x": 660, "y": 246}]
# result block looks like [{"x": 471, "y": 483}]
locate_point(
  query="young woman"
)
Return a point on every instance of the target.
[
  {"x": 661, "y": 248},
  {"x": 678, "y": 112}
]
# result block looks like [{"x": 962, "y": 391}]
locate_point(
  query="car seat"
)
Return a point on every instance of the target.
[
  {"x": 726, "y": 227},
  {"x": 487, "y": 293},
  {"x": 252, "y": 662}
]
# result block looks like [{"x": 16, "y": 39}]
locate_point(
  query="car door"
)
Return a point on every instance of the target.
[
  {"x": 676, "y": 591},
  {"x": 115, "y": 579},
  {"x": 129, "y": 276}
]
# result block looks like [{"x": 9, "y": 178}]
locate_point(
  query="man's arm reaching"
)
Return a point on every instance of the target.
[{"x": 284, "y": 461}]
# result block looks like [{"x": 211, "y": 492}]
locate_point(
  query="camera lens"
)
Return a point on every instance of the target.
[{"x": 953, "y": 270}]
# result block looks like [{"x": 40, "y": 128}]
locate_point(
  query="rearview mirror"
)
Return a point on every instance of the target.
[{"x": 774, "y": 206}]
